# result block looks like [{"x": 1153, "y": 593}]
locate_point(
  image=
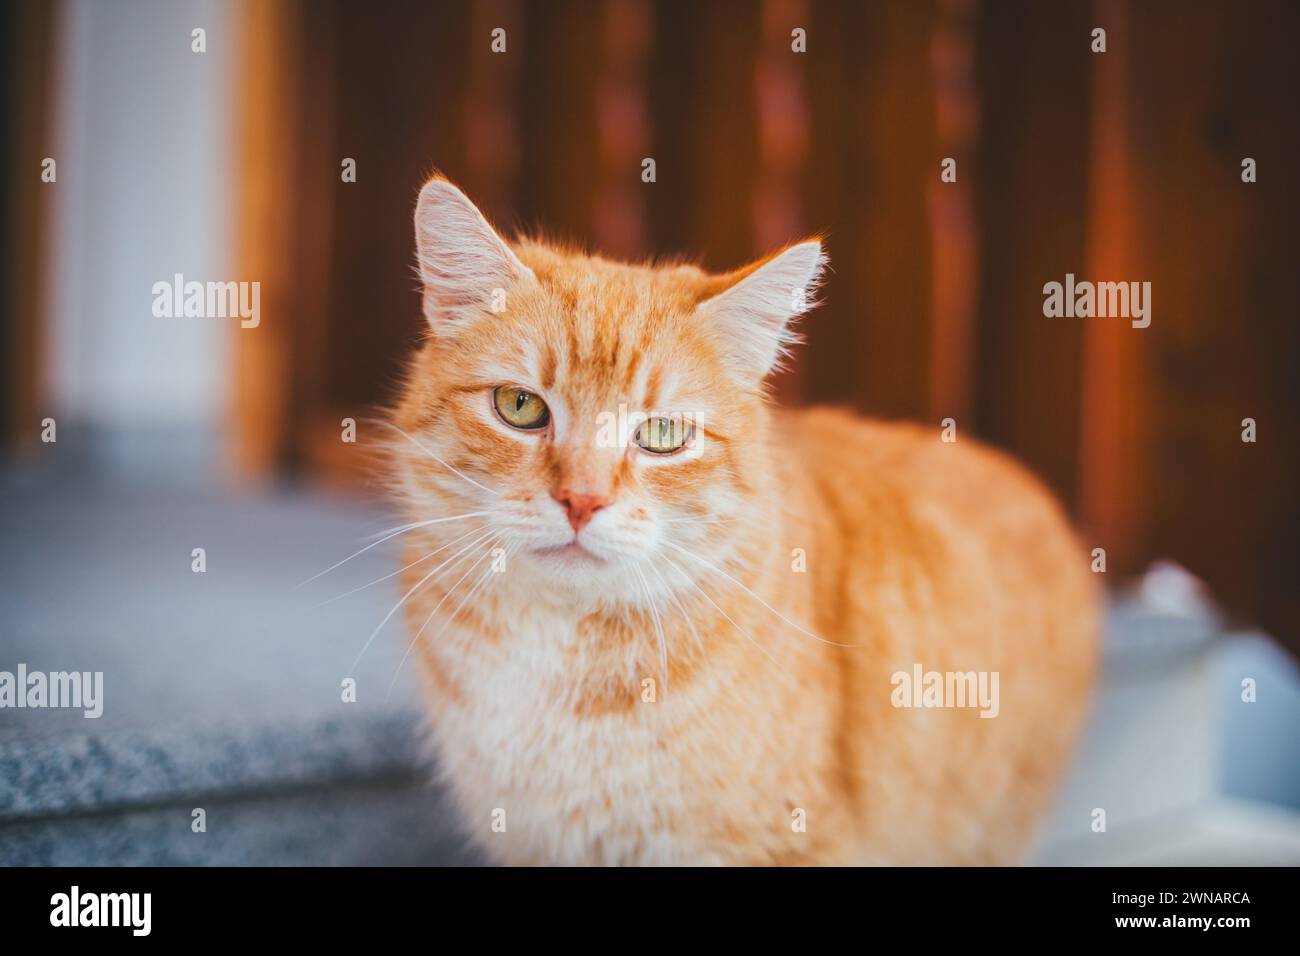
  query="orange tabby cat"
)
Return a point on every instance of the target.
[{"x": 661, "y": 622}]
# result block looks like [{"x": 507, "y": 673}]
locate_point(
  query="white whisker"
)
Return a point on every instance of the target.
[
  {"x": 415, "y": 587},
  {"x": 718, "y": 570},
  {"x": 402, "y": 530},
  {"x": 401, "y": 527},
  {"x": 394, "y": 574},
  {"x": 677, "y": 603},
  {"x": 491, "y": 543},
  {"x": 699, "y": 519},
  {"x": 510, "y": 550},
  {"x": 706, "y": 597},
  {"x": 424, "y": 448},
  {"x": 659, "y": 628}
]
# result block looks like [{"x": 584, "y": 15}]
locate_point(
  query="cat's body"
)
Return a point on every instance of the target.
[{"x": 791, "y": 534}]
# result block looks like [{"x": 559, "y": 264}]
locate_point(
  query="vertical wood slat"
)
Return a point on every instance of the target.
[
  {"x": 1111, "y": 457},
  {"x": 557, "y": 119},
  {"x": 782, "y": 127},
  {"x": 783, "y": 120},
  {"x": 834, "y": 333},
  {"x": 30, "y": 46},
  {"x": 1206, "y": 92},
  {"x": 312, "y": 208},
  {"x": 259, "y": 425},
  {"x": 890, "y": 237},
  {"x": 488, "y": 108},
  {"x": 954, "y": 236},
  {"x": 1031, "y": 196},
  {"x": 705, "y": 136},
  {"x": 622, "y": 128},
  {"x": 392, "y": 79},
  {"x": 280, "y": 413}
]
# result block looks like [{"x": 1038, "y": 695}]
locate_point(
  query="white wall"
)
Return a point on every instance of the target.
[{"x": 145, "y": 189}]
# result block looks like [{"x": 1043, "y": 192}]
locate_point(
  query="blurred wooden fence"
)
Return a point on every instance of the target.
[{"x": 1123, "y": 166}]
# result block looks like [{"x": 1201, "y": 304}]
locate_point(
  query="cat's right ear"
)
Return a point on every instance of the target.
[{"x": 464, "y": 264}]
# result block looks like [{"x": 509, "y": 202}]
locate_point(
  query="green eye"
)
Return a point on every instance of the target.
[
  {"x": 664, "y": 435},
  {"x": 519, "y": 408}
]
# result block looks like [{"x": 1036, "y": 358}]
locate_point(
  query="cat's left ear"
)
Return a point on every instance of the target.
[{"x": 757, "y": 305}]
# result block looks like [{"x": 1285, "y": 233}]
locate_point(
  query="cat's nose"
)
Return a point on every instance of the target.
[{"x": 579, "y": 506}]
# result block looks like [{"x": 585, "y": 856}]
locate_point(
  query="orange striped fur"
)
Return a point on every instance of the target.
[{"x": 779, "y": 537}]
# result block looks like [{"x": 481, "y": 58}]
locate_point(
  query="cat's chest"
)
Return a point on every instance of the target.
[
  {"x": 533, "y": 701},
  {"x": 521, "y": 738}
]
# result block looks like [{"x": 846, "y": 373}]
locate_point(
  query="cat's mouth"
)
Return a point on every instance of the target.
[{"x": 572, "y": 553}]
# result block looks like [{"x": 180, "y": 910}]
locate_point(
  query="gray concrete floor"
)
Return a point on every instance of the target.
[{"x": 222, "y": 691}]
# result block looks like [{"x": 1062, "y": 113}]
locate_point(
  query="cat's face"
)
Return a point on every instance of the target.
[{"x": 600, "y": 422}]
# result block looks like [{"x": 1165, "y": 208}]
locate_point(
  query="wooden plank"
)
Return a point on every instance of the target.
[
  {"x": 1208, "y": 87},
  {"x": 623, "y": 129},
  {"x": 705, "y": 135},
  {"x": 781, "y": 98},
  {"x": 873, "y": 158},
  {"x": 954, "y": 235},
  {"x": 268, "y": 98},
  {"x": 396, "y": 88},
  {"x": 557, "y": 118},
  {"x": 1032, "y": 207},
  {"x": 1112, "y": 459},
  {"x": 28, "y": 103}
]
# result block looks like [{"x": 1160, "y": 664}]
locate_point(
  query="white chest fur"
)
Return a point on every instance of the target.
[{"x": 542, "y": 779}]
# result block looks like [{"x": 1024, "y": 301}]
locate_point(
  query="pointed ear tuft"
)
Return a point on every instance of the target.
[
  {"x": 755, "y": 311},
  {"x": 463, "y": 262}
]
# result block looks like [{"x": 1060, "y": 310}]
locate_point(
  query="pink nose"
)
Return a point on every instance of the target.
[{"x": 580, "y": 506}]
